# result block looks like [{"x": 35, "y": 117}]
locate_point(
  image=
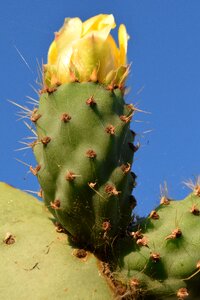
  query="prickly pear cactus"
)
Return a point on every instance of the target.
[
  {"x": 161, "y": 257},
  {"x": 84, "y": 153},
  {"x": 84, "y": 149},
  {"x": 158, "y": 260},
  {"x": 37, "y": 262},
  {"x": 84, "y": 146}
]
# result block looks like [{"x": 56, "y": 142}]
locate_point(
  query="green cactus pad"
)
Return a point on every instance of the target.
[
  {"x": 37, "y": 263},
  {"x": 161, "y": 259},
  {"x": 84, "y": 153}
]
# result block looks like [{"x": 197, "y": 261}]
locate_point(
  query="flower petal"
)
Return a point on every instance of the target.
[
  {"x": 53, "y": 53},
  {"x": 123, "y": 42},
  {"x": 92, "y": 53},
  {"x": 63, "y": 63},
  {"x": 70, "y": 31},
  {"x": 87, "y": 51},
  {"x": 99, "y": 25},
  {"x": 114, "y": 50},
  {"x": 61, "y": 48}
]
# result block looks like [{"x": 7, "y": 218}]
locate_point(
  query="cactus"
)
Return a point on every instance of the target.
[
  {"x": 84, "y": 153},
  {"x": 84, "y": 150},
  {"x": 37, "y": 262},
  {"x": 161, "y": 257},
  {"x": 84, "y": 146}
]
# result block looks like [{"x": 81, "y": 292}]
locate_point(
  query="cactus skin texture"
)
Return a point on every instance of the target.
[
  {"x": 84, "y": 153},
  {"x": 161, "y": 259},
  {"x": 156, "y": 261},
  {"x": 38, "y": 263}
]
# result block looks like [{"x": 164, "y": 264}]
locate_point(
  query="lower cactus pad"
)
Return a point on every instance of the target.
[{"x": 37, "y": 263}]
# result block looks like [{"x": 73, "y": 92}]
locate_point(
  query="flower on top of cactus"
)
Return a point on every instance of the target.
[{"x": 86, "y": 51}]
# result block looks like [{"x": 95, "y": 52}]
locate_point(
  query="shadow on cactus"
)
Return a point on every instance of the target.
[{"x": 84, "y": 149}]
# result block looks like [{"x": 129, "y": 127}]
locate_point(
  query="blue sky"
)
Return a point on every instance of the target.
[{"x": 165, "y": 80}]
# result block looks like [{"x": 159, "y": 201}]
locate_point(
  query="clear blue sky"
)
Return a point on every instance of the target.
[{"x": 165, "y": 80}]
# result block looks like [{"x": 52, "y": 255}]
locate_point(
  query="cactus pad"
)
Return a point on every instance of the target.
[
  {"x": 161, "y": 258},
  {"x": 84, "y": 153},
  {"x": 36, "y": 261}
]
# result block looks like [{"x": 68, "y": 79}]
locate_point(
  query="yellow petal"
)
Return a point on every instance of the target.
[
  {"x": 52, "y": 54},
  {"x": 121, "y": 75},
  {"x": 61, "y": 49},
  {"x": 114, "y": 50},
  {"x": 87, "y": 51},
  {"x": 110, "y": 77},
  {"x": 91, "y": 53},
  {"x": 63, "y": 63},
  {"x": 123, "y": 42},
  {"x": 100, "y": 25},
  {"x": 70, "y": 32}
]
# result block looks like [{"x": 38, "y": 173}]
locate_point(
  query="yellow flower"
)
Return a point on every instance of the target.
[{"x": 85, "y": 51}]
